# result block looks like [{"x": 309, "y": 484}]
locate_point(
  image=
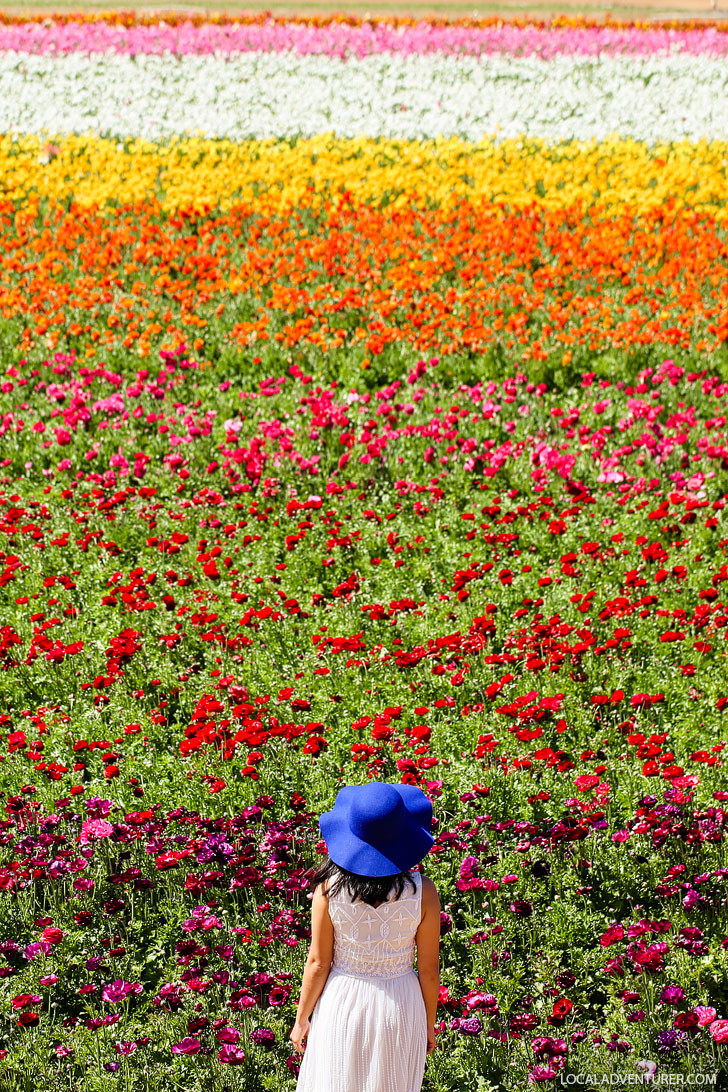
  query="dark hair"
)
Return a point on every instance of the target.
[{"x": 369, "y": 889}]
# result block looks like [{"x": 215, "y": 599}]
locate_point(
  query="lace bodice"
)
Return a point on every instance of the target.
[{"x": 376, "y": 941}]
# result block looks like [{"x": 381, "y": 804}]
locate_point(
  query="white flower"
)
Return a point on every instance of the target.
[{"x": 656, "y": 97}]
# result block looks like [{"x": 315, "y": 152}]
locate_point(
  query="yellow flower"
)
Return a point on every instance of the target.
[{"x": 607, "y": 177}]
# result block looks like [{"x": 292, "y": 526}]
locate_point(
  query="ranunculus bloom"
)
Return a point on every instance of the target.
[
  {"x": 227, "y": 1035},
  {"x": 470, "y": 1026},
  {"x": 278, "y": 995},
  {"x": 93, "y": 829},
  {"x": 613, "y": 934},
  {"x": 294, "y": 1064},
  {"x": 120, "y": 990},
  {"x": 230, "y": 1055},
  {"x": 672, "y": 995},
  {"x": 263, "y": 1037},
  {"x": 719, "y": 1030},
  {"x": 706, "y": 1015},
  {"x": 188, "y": 1045}
]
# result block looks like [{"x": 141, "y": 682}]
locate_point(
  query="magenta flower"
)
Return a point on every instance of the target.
[
  {"x": 38, "y": 947},
  {"x": 470, "y": 1026},
  {"x": 188, "y": 1045},
  {"x": 230, "y": 1055},
  {"x": 227, "y": 1035},
  {"x": 542, "y": 1073},
  {"x": 119, "y": 990},
  {"x": 278, "y": 995}
]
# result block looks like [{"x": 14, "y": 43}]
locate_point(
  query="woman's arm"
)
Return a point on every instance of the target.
[
  {"x": 317, "y": 966},
  {"x": 427, "y": 939}
]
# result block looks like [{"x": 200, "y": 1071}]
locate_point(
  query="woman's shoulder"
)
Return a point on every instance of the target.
[{"x": 429, "y": 891}]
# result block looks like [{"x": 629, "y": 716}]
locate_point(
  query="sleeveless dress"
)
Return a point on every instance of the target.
[{"x": 368, "y": 1028}]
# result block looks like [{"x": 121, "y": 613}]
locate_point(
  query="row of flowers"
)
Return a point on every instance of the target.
[
  {"x": 262, "y": 94},
  {"x": 608, "y": 177},
  {"x": 359, "y": 39},
  {"x": 356, "y": 286},
  {"x": 144, "y": 18}
]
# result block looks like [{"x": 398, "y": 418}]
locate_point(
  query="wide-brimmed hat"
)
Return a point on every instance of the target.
[{"x": 378, "y": 829}]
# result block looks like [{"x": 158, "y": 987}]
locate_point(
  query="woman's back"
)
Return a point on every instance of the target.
[
  {"x": 370, "y": 1021},
  {"x": 376, "y": 941}
]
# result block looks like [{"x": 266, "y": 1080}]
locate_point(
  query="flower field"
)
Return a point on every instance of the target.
[{"x": 363, "y": 414}]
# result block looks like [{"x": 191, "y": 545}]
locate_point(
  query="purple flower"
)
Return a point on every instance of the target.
[
  {"x": 125, "y": 1049},
  {"x": 671, "y": 1039},
  {"x": 263, "y": 1037},
  {"x": 672, "y": 995},
  {"x": 470, "y": 1026},
  {"x": 188, "y": 1045},
  {"x": 214, "y": 848}
]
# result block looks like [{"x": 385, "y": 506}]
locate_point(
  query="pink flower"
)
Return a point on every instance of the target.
[
  {"x": 719, "y": 1030},
  {"x": 705, "y": 1015},
  {"x": 94, "y": 829}
]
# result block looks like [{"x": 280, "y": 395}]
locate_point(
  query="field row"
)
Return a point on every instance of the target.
[
  {"x": 260, "y": 94},
  {"x": 168, "y": 34}
]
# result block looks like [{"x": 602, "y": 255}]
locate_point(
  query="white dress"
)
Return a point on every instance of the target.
[{"x": 369, "y": 1026}]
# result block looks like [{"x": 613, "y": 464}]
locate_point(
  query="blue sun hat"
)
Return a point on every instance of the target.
[{"x": 378, "y": 829}]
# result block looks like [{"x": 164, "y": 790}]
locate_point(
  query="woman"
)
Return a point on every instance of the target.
[{"x": 372, "y": 1017}]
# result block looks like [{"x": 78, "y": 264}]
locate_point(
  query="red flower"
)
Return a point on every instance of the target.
[{"x": 562, "y": 1007}]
